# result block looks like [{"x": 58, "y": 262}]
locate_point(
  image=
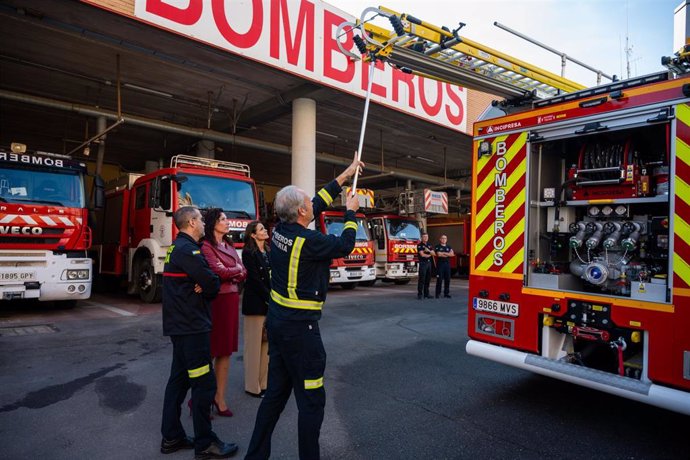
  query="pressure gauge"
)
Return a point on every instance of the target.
[
  {"x": 593, "y": 211},
  {"x": 607, "y": 210},
  {"x": 621, "y": 210}
]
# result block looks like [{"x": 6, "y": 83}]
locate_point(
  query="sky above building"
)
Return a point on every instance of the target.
[{"x": 597, "y": 32}]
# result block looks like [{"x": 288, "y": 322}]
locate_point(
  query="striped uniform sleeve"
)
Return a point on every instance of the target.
[
  {"x": 333, "y": 247},
  {"x": 325, "y": 197}
]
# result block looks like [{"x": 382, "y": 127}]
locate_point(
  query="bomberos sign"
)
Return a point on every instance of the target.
[{"x": 298, "y": 36}]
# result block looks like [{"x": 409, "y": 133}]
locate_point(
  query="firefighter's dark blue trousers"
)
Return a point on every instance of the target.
[
  {"x": 191, "y": 367},
  {"x": 297, "y": 363}
]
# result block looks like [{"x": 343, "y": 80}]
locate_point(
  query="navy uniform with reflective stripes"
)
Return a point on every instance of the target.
[
  {"x": 424, "y": 269},
  {"x": 442, "y": 270},
  {"x": 187, "y": 320},
  {"x": 300, "y": 261}
]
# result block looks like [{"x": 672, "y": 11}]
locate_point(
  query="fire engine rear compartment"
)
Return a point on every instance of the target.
[{"x": 598, "y": 225}]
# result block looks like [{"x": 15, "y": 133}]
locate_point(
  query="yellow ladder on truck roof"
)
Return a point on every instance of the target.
[{"x": 424, "y": 49}]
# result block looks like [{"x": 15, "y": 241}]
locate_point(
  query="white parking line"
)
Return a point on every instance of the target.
[{"x": 119, "y": 311}]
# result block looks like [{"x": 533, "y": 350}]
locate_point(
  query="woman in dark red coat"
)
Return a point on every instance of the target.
[{"x": 225, "y": 262}]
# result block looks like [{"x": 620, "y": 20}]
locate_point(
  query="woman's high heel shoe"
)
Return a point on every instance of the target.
[{"x": 223, "y": 413}]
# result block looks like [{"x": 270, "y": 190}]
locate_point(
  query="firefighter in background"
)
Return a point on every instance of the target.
[
  {"x": 443, "y": 254},
  {"x": 300, "y": 261},
  {"x": 426, "y": 256},
  {"x": 188, "y": 287}
]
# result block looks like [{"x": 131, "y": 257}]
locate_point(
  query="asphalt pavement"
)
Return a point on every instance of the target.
[{"x": 88, "y": 383}]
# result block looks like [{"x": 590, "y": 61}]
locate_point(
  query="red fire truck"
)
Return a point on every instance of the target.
[
  {"x": 580, "y": 264},
  {"x": 43, "y": 227},
  {"x": 580, "y": 237},
  {"x": 138, "y": 227},
  {"x": 358, "y": 266},
  {"x": 396, "y": 239}
]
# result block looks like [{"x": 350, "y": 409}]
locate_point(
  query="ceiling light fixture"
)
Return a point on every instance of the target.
[
  {"x": 147, "y": 90},
  {"x": 327, "y": 134},
  {"x": 415, "y": 157},
  {"x": 428, "y": 160}
]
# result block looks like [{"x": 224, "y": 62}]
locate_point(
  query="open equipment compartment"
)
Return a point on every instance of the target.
[{"x": 600, "y": 224}]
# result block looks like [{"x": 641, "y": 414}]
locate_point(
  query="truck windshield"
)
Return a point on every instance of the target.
[
  {"x": 234, "y": 197},
  {"x": 402, "y": 229},
  {"x": 334, "y": 226},
  {"x": 56, "y": 188}
]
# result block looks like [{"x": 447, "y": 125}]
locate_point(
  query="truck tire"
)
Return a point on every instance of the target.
[
  {"x": 367, "y": 283},
  {"x": 149, "y": 285},
  {"x": 348, "y": 286}
]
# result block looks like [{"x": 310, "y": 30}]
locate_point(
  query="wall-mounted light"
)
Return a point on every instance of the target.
[
  {"x": 484, "y": 148},
  {"x": 535, "y": 136},
  {"x": 16, "y": 147},
  {"x": 87, "y": 151}
]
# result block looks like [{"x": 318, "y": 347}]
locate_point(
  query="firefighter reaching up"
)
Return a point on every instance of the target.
[{"x": 300, "y": 261}]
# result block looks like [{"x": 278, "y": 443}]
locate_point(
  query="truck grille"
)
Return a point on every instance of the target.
[
  {"x": 355, "y": 261},
  {"x": 24, "y": 259},
  {"x": 49, "y": 236}
]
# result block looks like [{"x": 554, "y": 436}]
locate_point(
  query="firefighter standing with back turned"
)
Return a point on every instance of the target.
[{"x": 300, "y": 260}]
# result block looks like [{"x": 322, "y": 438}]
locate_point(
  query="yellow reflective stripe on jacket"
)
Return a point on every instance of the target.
[
  {"x": 313, "y": 384},
  {"x": 293, "y": 268},
  {"x": 199, "y": 371},
  {"x": 167, "y": 254},
  {"x": 325, "y": 196},
  {"x": 296, "y": 303},
  {"x": 352, "y": 225}
]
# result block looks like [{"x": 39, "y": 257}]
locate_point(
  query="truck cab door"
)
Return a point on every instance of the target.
[
  {"x": 161, "y": 210},
  {"x": 379, "y": 233},
  {"x": 140, "y": 217}
]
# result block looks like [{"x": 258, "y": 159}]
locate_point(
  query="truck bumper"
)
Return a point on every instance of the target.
[
  {"x": 399, "y": 270},
  {"x": 638, "y": 390},
  {"x": 44, "y": 276},
  {"x": 352, "y": 274}
]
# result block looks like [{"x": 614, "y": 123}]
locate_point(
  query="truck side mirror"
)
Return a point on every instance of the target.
[
  {"x": 160, "y": 195},
  {"x": 263, "y": 209},
  {"x": 378, "y": 235},
  {"x": 179, "y": 179},
  {"x": 99, "y": 194},
  {"x": 155, "y": 193}
]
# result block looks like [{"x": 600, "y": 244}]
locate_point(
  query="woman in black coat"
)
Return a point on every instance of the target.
[{"x": 257, "y": 291}]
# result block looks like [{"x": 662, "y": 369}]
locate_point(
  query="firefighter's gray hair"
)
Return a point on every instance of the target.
[
  {"x": 288, "y": 200},
  {"x": 183, "y": 215}
]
